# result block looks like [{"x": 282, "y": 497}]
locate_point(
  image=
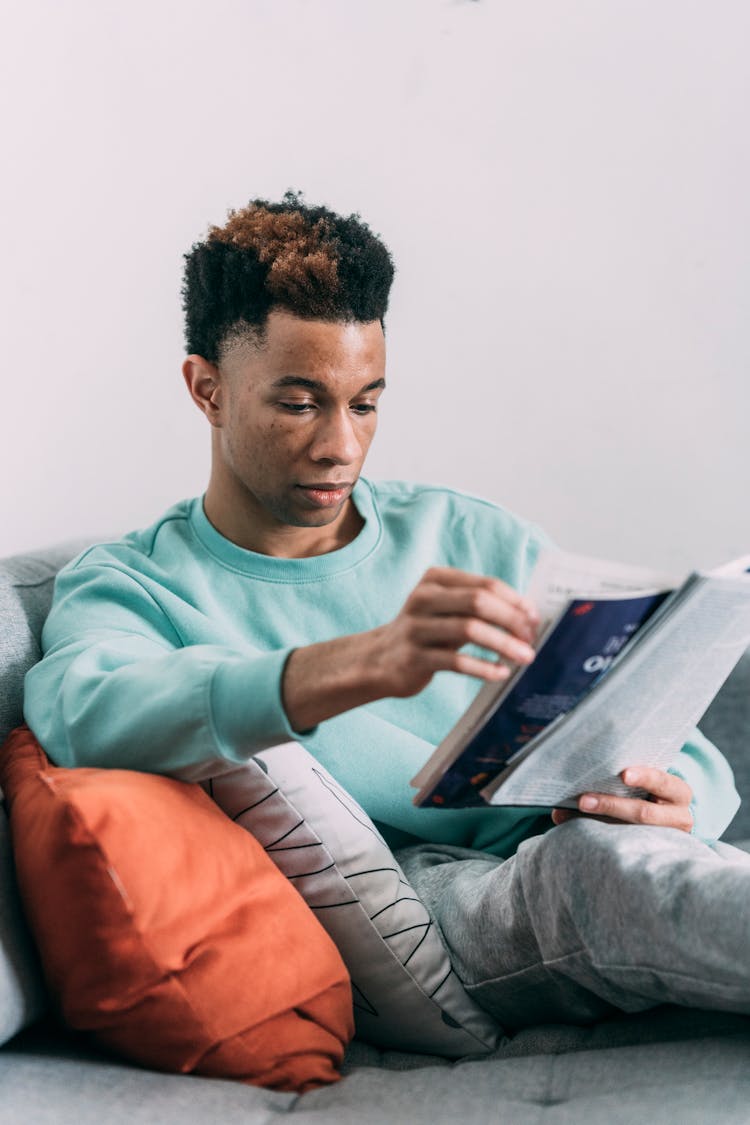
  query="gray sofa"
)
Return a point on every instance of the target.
[{"x": 669, "y": 1064}]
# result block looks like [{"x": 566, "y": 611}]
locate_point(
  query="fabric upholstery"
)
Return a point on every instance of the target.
[
  {"x": 26, "y": 586},
  {"x": 406, "y": 993},
  {"x": 663, "y": 1067},
  {"x": 166, "y": 931},
  {"x": 727, "y": 724},
  {"x": 22, "y": 993}
]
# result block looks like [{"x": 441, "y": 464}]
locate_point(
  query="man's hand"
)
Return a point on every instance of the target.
[
  {"x": 667, "y": 807},
  {"x": 447, "y": 610}
]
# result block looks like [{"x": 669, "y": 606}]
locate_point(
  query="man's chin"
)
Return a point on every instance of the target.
[
  {"x": 314, "y": 519},
  {"x": 311, "y": 517}
]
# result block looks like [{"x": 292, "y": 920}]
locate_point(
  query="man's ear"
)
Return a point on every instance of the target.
[{"x": 205, "y": 384}]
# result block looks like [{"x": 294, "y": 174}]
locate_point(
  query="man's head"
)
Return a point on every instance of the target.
[
  {"x": 307, "y": 261},
  {"x": 284, "y": 324}
]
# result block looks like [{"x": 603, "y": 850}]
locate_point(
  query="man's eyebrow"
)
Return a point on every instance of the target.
[
  {"x": 316, "y": 385},
  {"x": 299, "y": 381}
]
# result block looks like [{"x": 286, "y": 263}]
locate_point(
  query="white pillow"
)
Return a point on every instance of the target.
[{"x": 406, "y": 994}]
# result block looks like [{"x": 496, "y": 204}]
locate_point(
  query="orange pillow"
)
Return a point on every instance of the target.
[{"x": 165, "y": 929}]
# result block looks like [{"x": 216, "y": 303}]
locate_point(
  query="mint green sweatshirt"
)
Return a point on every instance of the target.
[{"x": 164, "y": 652}]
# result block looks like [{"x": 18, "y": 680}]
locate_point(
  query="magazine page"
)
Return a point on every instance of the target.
[
  {"x": 579, "y": 650},
  {"x": 560, "y": 576},
  {"x": 486, "y": 702},
  {"x": 643, "y": 712},
  {"x": 733, "y": 568},
  {"x": 557, "y": 578}
]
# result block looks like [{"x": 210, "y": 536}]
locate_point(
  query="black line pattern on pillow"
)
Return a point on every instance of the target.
[
  {"x": 360, "y": 1001},
  {"x": 405, "y": 992},
  {"x": 347, "y": 802}
]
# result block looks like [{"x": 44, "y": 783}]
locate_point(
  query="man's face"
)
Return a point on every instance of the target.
[{"x": 296, "y": 418}]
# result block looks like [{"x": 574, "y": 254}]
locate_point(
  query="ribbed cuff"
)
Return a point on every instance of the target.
[{"x": 247, "y": 713}]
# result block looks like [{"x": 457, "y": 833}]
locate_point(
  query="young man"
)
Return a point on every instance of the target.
[{"x": 296, "y": 600}]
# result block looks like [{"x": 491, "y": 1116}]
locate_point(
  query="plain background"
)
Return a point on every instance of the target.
[{"x": 564, "y": 185}]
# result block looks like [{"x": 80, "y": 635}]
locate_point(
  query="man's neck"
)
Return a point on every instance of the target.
[{"x": 261, "y": 533}]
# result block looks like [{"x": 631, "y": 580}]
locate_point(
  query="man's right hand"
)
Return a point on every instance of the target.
[{"x": 447, "y": 610}]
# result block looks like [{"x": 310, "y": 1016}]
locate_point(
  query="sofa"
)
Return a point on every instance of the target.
[{"x": 668, "y": 1064}]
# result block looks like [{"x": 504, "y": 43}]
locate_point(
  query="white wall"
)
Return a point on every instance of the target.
[{"x": 564, "y": 186}]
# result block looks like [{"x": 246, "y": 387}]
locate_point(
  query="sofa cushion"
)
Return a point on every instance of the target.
[
  {"x": 666, "y": 1066},
  {"x": 727, "y": 724},
  {"x": 406, "y": 993},
  {"x": 166, "y": 931},
  {"x": 22, "y": 993},
  {"x": 26, "y": 585}
]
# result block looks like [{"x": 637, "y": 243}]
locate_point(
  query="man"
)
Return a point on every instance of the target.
[{"x": 297, "y": 600}]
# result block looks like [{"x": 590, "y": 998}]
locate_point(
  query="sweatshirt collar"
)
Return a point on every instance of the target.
[{"x": 272, "y": 569}]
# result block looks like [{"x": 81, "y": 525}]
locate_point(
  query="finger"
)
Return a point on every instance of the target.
[
  {"x": 559, "y": 816},
  {"x": 662, "y": 785},
  {"x": 443, "y": 660},
  {"x": 431, "y": 599},
  {"x": 452, "y": 576},
  {"x": 632, "y": 810},
  {"x": 454, "y": 632},
  {"x": 573, "y": 814}
]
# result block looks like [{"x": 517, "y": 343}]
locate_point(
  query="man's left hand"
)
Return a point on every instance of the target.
[{"x": 667, "y": 807}]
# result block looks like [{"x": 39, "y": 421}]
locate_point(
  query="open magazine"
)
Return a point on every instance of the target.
[{"x": 627, "y": 662}]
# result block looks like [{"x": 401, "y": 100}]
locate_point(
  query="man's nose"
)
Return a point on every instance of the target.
[{"x": 335, "y": 438}]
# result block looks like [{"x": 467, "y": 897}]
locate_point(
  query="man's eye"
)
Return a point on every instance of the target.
[
  {"x": 364, "y": 407},
  {"x": 296, "y": 407}
]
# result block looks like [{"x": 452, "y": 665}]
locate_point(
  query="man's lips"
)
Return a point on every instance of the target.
[{"x": 325, "y": 495}]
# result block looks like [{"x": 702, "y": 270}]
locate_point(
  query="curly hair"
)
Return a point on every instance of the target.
[{"x": 308, "y": 261}]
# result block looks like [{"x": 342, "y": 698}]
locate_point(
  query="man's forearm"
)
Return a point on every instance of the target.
[
  {"x": 323, "y": 680},
  {"x": 445, "y": 612}
]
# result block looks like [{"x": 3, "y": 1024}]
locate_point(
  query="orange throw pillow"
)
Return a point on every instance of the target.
[{"x": 166, "y": 931}]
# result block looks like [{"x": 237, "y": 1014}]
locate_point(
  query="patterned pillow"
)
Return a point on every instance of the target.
[{"x": 406, "y": 994}]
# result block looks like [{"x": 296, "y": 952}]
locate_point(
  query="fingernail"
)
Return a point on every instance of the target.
[
  {"x": 630, "y": 777},
  {"x": 588, "y": 804},
  {"x": 524, "y": 652}
]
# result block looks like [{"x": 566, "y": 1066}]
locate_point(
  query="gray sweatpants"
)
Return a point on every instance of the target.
[{"x": 590, "y": 918}]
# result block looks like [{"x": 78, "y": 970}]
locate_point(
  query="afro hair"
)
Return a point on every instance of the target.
[{"x": 305, "y": 260}]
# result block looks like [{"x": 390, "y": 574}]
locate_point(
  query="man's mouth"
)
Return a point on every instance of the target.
[{"x": 326, "y": 494}]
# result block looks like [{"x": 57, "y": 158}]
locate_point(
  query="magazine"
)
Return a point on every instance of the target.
[{"x": 627, "y": 661}]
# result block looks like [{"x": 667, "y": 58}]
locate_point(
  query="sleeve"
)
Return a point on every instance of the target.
[
  {"x": 709, "y": 775},
  {"x": 117, "y": 688}
]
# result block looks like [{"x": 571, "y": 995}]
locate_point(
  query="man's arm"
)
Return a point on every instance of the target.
[
  {"x": 117, "y": 687},
  {"x": 447, "y": 610}
]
